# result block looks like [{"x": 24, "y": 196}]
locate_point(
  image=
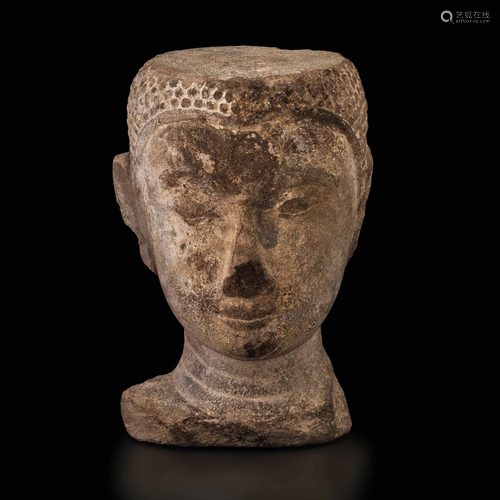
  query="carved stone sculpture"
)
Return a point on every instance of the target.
[{"x": 246, "y": 184}]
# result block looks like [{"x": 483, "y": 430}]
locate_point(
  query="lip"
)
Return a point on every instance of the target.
[
  {"x": 247, "y": 316},
  {"x": 242, "y": 324},
  {"x": 247, "y": 313}
]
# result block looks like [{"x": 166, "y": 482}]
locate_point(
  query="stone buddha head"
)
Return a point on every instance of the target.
[{"x": 246, "y": 183}]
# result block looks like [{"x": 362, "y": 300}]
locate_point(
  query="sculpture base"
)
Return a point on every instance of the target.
[{"x": 154, "y": 411}]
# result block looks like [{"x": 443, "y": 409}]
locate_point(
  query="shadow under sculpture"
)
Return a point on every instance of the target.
[{"x": 246, "y": 185}]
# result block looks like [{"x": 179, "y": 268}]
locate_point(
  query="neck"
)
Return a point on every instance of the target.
[
  {"x": 207, "y": 379},
  {"x": 213, "y": 400}
]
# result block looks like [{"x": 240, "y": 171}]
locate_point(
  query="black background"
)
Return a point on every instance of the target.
[{"x": 395, "y": 333}]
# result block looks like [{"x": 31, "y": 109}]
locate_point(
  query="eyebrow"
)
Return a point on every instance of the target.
[
  {"x": 295, "y": 176},
  {"x": 311, "y": 175}
]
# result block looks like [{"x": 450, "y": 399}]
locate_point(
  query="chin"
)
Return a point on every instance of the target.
[
  {"x": 253, "y": 340},
  {"x": 265, "y": 347}
]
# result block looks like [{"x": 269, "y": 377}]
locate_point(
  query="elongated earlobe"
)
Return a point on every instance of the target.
[
  {"x": 128, "y": 200},
  {"x": 364, "y": 190}
]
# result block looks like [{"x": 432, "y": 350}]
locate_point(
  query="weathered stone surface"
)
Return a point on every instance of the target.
[
  {"x": 246, "y": 185},
  {"x": 298, "y": 402}
]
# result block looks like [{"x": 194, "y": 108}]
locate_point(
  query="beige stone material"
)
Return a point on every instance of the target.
[{"x": 246, "y": 185}]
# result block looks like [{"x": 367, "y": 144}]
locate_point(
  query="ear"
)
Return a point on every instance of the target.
[
  {"x": 127, "y": 197},
  {"x": 364, "y": 185}
]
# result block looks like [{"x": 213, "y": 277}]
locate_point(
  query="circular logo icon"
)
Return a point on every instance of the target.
[{"x": 446, "y": 19}]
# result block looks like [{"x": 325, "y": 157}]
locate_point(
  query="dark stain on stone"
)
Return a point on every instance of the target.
[
  {"x": 267, "y": 230},
  {"x": 241, "y": 162},
  {"x": 257, "y": 350},
  {"x": 248, "y": 280},
  {"x": 187, "y": 432}
]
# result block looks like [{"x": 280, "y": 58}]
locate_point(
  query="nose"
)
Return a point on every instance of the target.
[
  {"x": 248, "y": 277},
  {"x": 248, "y": 280}
]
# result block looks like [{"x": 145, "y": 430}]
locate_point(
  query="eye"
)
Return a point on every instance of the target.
[
  {"x": 194, "y": 212},
  {"x": 295, "y": 206}
]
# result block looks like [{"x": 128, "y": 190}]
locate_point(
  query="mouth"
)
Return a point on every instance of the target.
[
  {"x": 248, "y": 317},
  {"x": 242, "y": 324}
]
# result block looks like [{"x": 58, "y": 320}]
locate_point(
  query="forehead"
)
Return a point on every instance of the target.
[{"x": 235, "y": 159}]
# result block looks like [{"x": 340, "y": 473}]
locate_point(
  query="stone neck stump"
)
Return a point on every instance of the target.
[{"x": 245, "y": 183}]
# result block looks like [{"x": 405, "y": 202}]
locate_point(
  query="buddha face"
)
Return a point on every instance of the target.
[{"x": 249, "y": 228}]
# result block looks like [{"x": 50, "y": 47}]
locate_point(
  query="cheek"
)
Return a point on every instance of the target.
[
  {"x": 200, "y": 266},
  {"x": 313, "y": 251},
  {"x": 306, "y": 248},
  {"x": 190, "y": 258}
]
